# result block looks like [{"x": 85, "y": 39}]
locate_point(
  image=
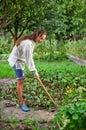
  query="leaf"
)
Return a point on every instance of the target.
[{"x": 75, "y": 117}]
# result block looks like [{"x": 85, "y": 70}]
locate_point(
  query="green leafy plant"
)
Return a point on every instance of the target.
[
  {"x": 31, "y": 124},
  {"x": 72, "y": 116},
  {"x": 5, "y": 48}
]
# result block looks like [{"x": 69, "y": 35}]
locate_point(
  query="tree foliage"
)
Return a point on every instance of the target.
[
  {"x": 64, "y": 18},
  {"x": 67, "y": 19},
  {"x": 18, "y": 15}
]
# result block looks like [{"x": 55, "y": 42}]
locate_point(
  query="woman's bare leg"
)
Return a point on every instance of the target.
[{"x": 20, "y": 85}]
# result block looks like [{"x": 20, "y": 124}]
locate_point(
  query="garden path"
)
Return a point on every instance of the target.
[
  {"x": 77, "y": 60},
  {"x": 13, "y": 111}
]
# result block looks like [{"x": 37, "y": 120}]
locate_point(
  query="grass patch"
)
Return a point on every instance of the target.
[
  {"x": 6, "y": 71},
  {"x": 60, "y": 65}
]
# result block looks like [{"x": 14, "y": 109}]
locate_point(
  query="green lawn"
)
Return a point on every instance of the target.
[{"x": 7, "y": 71}]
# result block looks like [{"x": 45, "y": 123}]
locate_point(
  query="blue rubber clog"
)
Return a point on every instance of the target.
[{"x": 24, "y": 108}]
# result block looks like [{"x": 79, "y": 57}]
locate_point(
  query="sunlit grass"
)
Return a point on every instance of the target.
[{"x": 67, "y": 65}]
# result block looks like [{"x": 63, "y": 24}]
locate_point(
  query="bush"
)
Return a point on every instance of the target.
[
  {"x": 72, "y": 116},
  {"x": 77, "y": 48},
  {"x": 51, "y": 50},
  {"x": 5, "y": 48}
]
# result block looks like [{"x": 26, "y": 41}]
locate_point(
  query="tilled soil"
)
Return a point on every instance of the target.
[{"x": 5, "y": 81}]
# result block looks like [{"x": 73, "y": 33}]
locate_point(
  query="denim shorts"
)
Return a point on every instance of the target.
[{"x": 19, "y": 73}]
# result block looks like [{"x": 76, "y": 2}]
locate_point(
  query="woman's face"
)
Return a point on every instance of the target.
[{"x": 40, "y": 39}]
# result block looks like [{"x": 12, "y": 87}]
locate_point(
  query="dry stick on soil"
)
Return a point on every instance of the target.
[{"x": 42, "y": 85}]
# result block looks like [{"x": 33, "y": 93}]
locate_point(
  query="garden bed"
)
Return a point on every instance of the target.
[{"x": 10, "y": 110}]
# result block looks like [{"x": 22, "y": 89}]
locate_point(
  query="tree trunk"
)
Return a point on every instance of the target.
[{"x": 15, "y": 38}]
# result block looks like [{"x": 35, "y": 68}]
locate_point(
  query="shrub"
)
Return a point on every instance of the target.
[
  {"x": 72, "y": 116},
  {"x": 77, "y": 48},
  {"x": 5, "y": 48}
]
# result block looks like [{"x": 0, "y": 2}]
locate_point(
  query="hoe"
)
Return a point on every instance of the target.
[{"x": 42, "y": 85}]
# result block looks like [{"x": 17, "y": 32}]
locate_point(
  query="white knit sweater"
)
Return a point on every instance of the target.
[{"x": 23, "y": 54}]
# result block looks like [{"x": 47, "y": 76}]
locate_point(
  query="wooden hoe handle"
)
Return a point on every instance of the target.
[{"x": 42, "y": 85}]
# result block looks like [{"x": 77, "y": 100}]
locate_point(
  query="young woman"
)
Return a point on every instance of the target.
[{"x": 22, "y": 54}]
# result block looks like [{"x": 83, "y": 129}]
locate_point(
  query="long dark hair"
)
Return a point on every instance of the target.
[{"x": 33, "y": 36}]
